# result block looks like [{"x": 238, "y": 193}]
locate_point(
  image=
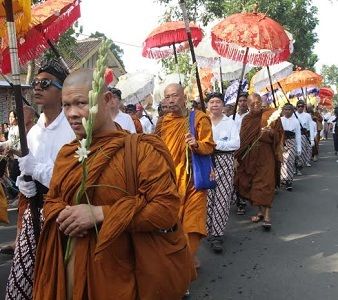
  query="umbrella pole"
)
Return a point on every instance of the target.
[
  {"x": 271, "y": 86},
  {"x": 304, "y": 97},
  {"x": 220, "y": 75},
  {"x": 176, "y": 63},
  {"x": 241, "y": 81},
  {"x": 13, "y": 51},
  {"x": 294, "y": 111},
  {"x": 192, "y": 51},
  {"x": 57, "y": 54}
]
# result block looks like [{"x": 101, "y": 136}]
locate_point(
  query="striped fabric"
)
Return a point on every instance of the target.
[
  {"x": 289, "y": 158},
  {"x": 305, "y": 158},
  {"x": 20, "y": 281},
  {"x": 219, "y": 199}
]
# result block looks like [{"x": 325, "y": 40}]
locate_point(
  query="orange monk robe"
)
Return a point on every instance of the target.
[
  {"x": 3, "y": 207},
  {"x": 104, "y": 265},
  {"x": 172, "y": 130},
  {"x": 137, "y": 123},
  {"x": 259, "y": 157}
]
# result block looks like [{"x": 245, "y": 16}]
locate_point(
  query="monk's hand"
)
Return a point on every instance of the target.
[
  {"x": 76, "y": 220},
  {"x": 191, "y": 141}
]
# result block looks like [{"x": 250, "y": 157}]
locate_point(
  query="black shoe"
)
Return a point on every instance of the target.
[
  {"x": 289, "y": 186},
  {"x": 8, "y": 250},
  {"x": 216, "y": 245}
]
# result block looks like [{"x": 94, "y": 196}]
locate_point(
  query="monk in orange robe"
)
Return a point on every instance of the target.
[
  {"x": 140, "y": 251},
  {"x": 173, "y": 129},
  {"x": 259, "y": 158}
]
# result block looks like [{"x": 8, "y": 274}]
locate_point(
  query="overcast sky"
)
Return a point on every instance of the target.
[{"x": 128, "y": 22}]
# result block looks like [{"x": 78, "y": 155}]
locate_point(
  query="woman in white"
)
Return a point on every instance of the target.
[{"x": 226, "y": 137}]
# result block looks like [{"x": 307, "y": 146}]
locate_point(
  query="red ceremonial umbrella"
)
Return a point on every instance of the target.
[
  {"x": 326, "y": 92},
  {"x": 50, "y": 19},
  {"x": 251, "y": 38},
  {"x": 170, "y": 38}
]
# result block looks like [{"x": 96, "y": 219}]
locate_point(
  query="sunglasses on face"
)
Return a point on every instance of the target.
[
  {"x": 46, "y": 83},
  {"x": 300, "y": 106}
]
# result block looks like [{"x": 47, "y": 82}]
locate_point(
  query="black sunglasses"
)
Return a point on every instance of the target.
[
  {"x": 115, "y": 92},
  {"x": 46, "y": 83},
  {"x": 300, "y": 105}
]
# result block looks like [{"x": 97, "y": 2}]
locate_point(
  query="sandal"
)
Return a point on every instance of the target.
[
  {"x": 266, "y": 225},
  {"x": 257, "y": 218}
]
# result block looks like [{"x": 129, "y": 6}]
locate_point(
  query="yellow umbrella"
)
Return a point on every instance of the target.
[{"x": 22, "y": 16}]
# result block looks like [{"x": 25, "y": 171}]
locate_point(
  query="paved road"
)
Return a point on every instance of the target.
[{"x": 297, "y": 260}]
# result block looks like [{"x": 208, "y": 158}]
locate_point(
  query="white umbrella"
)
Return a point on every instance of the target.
[
  {"x": 278, "y": 72},
  {"x": 135, "y": 86},
  {"x": 231, "y": 70}
]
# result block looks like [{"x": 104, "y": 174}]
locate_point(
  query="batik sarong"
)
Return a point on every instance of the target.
[
  {"x": 305, "y": 158},
  {"x": 288, "y": 167}
]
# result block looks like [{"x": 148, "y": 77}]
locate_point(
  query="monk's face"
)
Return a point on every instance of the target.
[
  {"x": 255, "y": 103},
  {"x": 75, "y": 105},
  {"x": 216, "y": 106},
  {"x": 174, "y": 96}
]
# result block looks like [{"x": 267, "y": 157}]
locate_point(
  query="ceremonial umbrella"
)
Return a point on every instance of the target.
[
  {"x": 326, "y": 97},
  {"x": 135, "y": 87},
  {"x": 301, "y": 79},
  {"x": 278, "y": 72},
  {"x": 50, "y": 19},
  {"x": 251, "y": 38},
  {"x": 170, "y": 38}
]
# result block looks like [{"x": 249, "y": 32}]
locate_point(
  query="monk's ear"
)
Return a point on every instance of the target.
[{"x": 107, "y": 97}]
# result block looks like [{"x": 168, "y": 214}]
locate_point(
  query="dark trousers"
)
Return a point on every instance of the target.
[{"x": 335, "y": 141}]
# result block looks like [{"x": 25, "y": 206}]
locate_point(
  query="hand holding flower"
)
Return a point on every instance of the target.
[{"x": 76, "y": 220}]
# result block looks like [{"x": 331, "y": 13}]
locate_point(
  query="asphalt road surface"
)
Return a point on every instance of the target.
[{"x": 297, "y": 260}]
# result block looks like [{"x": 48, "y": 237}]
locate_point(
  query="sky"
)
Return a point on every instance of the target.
[{"x": 128, "y": 22}]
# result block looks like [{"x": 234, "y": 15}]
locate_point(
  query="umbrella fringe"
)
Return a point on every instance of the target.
[{"x": 36, "y": 42}]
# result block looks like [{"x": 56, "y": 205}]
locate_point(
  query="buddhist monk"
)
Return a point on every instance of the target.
[
  {"x": 259, "y": 158},
  {"x": 140, "y": 251},
  {"x": 173, "y": 129}
]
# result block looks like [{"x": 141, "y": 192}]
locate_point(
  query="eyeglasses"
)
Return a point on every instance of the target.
[
  {"x": 115, "y": 92},
  {"x": 46, "y": 83}
]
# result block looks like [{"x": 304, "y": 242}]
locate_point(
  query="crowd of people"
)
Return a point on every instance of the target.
[{"x": 137, "y": 233}]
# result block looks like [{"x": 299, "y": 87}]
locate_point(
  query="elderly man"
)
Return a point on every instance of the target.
[
  {"x": 173, "y": 129},
  {"x": 44, "y": 141},
  {"x": 258, "y": 157},
  {"x": 134, "y": 207}
]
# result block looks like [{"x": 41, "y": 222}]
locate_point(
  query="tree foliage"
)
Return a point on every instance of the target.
[
  {"x": 298, "y": 17},
  {"x": 330, "y": 76},
  {"x": 117, "y": 50}
]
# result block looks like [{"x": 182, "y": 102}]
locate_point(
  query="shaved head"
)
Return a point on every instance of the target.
[
  {"x": 174, "y": 95},
  {"x": 82, "y": 77}
]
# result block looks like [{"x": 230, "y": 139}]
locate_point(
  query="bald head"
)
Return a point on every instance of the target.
[
  {"x": 174, "y": 95},
  {"x": 83, "y": 77}
]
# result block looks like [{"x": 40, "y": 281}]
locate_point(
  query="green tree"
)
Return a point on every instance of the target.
[
  {"x": 330, "y": 76},
  {"x": 117, "y": 50},
  {"x": 298, "y": 17}
]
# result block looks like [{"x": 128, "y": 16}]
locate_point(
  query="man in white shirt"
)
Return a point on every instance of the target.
[
  {"x": 226, "y": 137},
  {"x": 307, "y": 134},
  {"x": 333, "y": 125},
  {"x": 292, "y": 146},
  {"x": 121, "y": 118},
  {"x": 44, "y": 141},
  {"x": 242, "y": 110}
]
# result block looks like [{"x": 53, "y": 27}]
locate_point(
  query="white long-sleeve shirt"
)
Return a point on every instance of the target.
[
  {"x": 333, "y": 121},
  {"x": 306, "y": 119},
  {"x": 292, "y": 124},
  {"x": 313, "y": 126},
  {"x": 226, "y": 134},
  {"x": 125, "y": 121},
  {"x": 239, "y": 119},
  {"x": 44, "y": 144},
  {"x": 146, "y": 125},
  {"x": 13, "y": 141}
]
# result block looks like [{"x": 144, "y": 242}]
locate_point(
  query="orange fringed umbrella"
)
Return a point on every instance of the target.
[
  {"x": 50, "y": 19},
  {"x": 170, "y": 34},
  {"x": 301, "y": 79}
]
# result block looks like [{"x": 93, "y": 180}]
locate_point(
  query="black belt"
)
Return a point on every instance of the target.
[
  {"x": 172, "y": 229},
  {"x": 218, "y": 152},
  {"x": 289, "y": 134}
]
